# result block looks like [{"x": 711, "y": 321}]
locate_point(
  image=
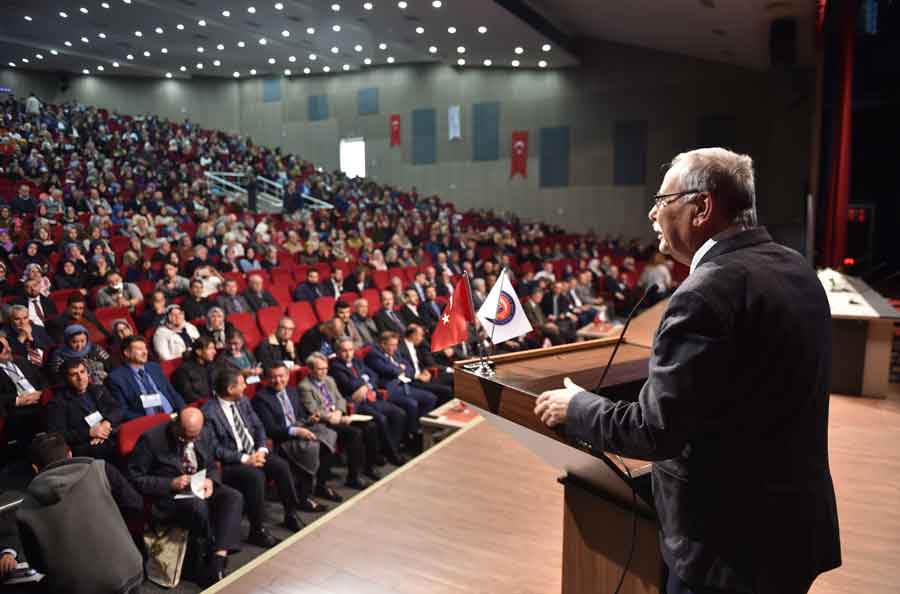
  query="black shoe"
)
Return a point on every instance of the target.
[
  {"x": 380, "y": 460},
  {"x": 215, "y": 571},
  {"x": 397, "y": 459},
  {"x": 262, "y": 538},
  {"x": 356, "y": 483},
  {"x": 372, "y": 474},
  {"x": 293, "y": 523},
  {"x": 313, "y": 506},
  {"x": 326, "y": 492}
]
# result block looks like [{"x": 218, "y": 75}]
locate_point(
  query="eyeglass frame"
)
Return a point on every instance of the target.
[{"x": 660, "y": 199}]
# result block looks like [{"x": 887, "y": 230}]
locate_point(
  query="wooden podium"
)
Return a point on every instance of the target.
[{"x": 608, "y": 505}]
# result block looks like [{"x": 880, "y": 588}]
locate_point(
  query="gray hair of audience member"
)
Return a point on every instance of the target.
[
  {"x": 358, "y": 302},
  {"x": 316, "y": 356},
  {"x": 341, "y": 340},
  {"x": 478, "y": 283},
  {"x": 725, "y": 174},
  {"x": 214, "y": 309},
  {"x": 17, "y": 308}
]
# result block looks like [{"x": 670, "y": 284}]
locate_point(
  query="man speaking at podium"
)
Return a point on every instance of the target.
[{"x": 734, "y": 411}]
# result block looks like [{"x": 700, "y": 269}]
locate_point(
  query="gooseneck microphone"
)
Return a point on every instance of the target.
[{"x": 649, "y": 292}]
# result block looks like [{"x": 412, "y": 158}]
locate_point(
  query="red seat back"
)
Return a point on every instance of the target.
[
  {"x": 246, "y": 323},
  {"x": 304, "y": 317},
  {"x": 131, "y": 431},
  {"x": 169, "y": 367},
  {"x": 325, "y": 308},
  {"x": 268, "y": 318}
]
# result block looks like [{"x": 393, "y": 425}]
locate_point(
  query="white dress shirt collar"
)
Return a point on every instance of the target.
[{"x": 711, "y": 242}]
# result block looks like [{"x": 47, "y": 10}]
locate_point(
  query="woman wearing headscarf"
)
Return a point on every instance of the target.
[
  {"x": 5, "y": 288},
  {"x": 77, "y": 345},
  {"x": 97, "y": 272},
  {"x": 31, "y": 255},
  {"x": 119, "y": 331},
  {"x": 216, "y": 327},
  {"x": 36, "y": 273},
  {"x": 68, "y": 277}
]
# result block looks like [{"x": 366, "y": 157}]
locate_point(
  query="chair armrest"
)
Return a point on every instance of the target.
[{"x": 382, "y": 393}]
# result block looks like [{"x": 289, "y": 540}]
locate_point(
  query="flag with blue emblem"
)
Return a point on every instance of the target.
[{"x": 502, "y": 314}]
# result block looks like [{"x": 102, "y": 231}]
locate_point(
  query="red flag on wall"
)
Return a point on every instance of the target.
[
  {"x": 395, "y": 129},
  {"x": 519, "y": 153},
  {"x": 453, "y": 326}
]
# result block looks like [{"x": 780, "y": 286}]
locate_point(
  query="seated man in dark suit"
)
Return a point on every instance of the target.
[
  {"x": 26, "y": 339},
  {"x": 140, "y": 385},
  {"x": 430, "y": 310},
  {"x": 256, "y": 295},
  {"x": 318, "y": 339},
  {"x": 232, "y": 301},
  {"x": 279, "y": 348},
  {"x": 557, "y": 306},
  {"x": 412, "y": 351},
  {"x": 334, "y": 286},
  {"x": 309, "y": 290},
  {"x": 195, "y": 305},
  {"x": 363, "y": 324},
  {"x": 300, "y": 438},
  {"x": 356, "y": 383},
  {"x": 246, "y": 461},
  {"x": 321, "y": 398},
  {"x": 193, "y": 378},
  {"x": 20, "y": 395},
  {"x": 387, "y": 318},
  {"x": 86, "y": 414},
  {"x": 409, "y": 311},
  {"x": 393, "y": 376},
  {"x": 40, "y": 309},
  {"x": 161, "y": 466},
  {"x": 76, "y": 313}
]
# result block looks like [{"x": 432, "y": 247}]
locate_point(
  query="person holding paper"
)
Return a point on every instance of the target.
[
  {"x": 162, "y": 466},
  {"x": 86, "y": 414},
  {"x": 140, "y": 385},
  {"x": 247, "y": 463}
]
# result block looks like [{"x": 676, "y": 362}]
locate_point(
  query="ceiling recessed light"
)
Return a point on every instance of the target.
[
  {"x": 358, "y": 48},
  {"x": 279, "y": 6},
  {"x": 101, "y": 35},
  {"x": 168, "y": 75},
  {"x": 164, "y": 50},
  {"x": 336, "y": 28},
  {"x": 100, "y": 68},
  {"x": 312, "y": 57},
  {"x": 54, "y": 53},
  {"x": 287, "y": 71},
  {"x": 367, "y": 61},
  {"x": 67, "y": 43},
  {"x": 201, "y": 23},
  {"x": 420, "y": 30},
  {"x": 432, "y": 49},
  {"x": 180, "y": 27},
  {"x": 461, "y": 62},
  {"x": 253, "y": 72},
  {"x": 129, "y": 57},
  {"x": 545, "y": 47},
  {"x": 346, "y": 67},
  {"x": 461, "y": 49},
  {"x": 271, "y": 60},
  {"x": 326, "y": 69},
  {"x": 402, "y": 5},
  {"x": 542, "y": 63},
  {"x": 335, "y": 50},
  {"x": 226, "y": 13},
  {"x": 251, "y": 9},
  {"x": 451, "y": 30},
  {"x": 236, "y": 74},
  {"x": 104, "y": 4},
  {"x": 199, "y": 65},
  {"x": 241, "y": 44},
  {"x": 39, "y": 56},
  {"x": 285, "y": 33},
  {"x": 217, "y": 63},
  {"x": 84, "y": 40},
  {"x": 127, "y": 1},
  {"x": 263, "y": 41},
  {"x": 83, "y": 10},
  {"x": 25, "y": 60},
  {"x": 146, "y": 53},
  {"x": 307, "y": 70},
  {"x": 390, "y": 59},
  {"x": 85, "y": 71},
  {"x": 159, "y": 31},
  {"x": 482, "y": 29},
  {"x": 220, "y": 47},
  {"x": 336, "y": 7},
  {"x": 292, "y": 59},
  {"x": 367, "y": 5},
  {"x": 63, "y": 15},
  {"x": 183, "y": 68},
  {"x": 115, "y": 64},
  {"x": 138, "y": 34},
  {"x": 437, "y": 3},
  {"x": 199, "y": 49},
  {"x": 12, "y": 64},
  {"x": 519, "y": 51},
  {"x": 487, "y": 62},
  {"x": 28, "y": 18},
  {"x": 382, "y": 46}
]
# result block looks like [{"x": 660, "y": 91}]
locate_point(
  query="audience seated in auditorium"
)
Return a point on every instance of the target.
[
  {"x": 256, "y": 296},
  {"x": 309, "y": 290},
  {"x": 26, "y": 339},
  {"x": 140, "y": 385},
  {"x": 237, "y": 358},
  {"x": 117, "y": 293},
  {"x": 387, "y": 319},
  {"x": 416, "y": 355},
  {"x": 279, "y": 347},
  {"x": 77, "y": 312},
  {"x": 193, "y": 379},
  {"x": 231, "y": 301},
  {"x": 175, "y": 337},
  {"x": 195, "y": 305},
  {"x": 77, "y": 346},
  {"x": 319, "y": 338},
  {"x": 363, "y": 324}
]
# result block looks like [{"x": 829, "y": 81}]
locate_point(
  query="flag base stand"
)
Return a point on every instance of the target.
[{"x": 484, "y": 368}]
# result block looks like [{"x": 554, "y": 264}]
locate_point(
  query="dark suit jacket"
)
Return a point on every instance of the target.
[
  {"x": 8, "y": 390},
  {"x": 367, "y": 328},
  {"x": 192, "y": 380},
  {"x": 156, "y": 460},
  {"x": 384, "y": 322},
  {"x": 227, "y": 302},
  {"x": 257, "y": 302},
  {"x": 310, "y": 342},
  {"x": 428, "y": 314},
  {"x": 226, "y": 449},
  {"x": 563, "y": 305},
  {"x": 307, "y": 292},
  {"x": 422, "y": 353},
  {"x": 66, "y": 412},
  {"x": 268, "y": 409},
  {"x": 387, "y": 372},
  {"x": 42, "y": 340},
  {"x": 735, "y": 412},
  {"x": 123, "y": 385},
  {"x": 195, "y": 308},
  {"x": 46, "y": 304},
  {"x": 535, "y": 314},
  {"x": 270, "y": 352},
  {"x": 348, "y": 382},
  {"x": 328, "y": 289},
  {"x": 409, "y": 316}
]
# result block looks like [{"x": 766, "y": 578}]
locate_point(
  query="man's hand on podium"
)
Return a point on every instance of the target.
[{"x": 552, "y": 406}]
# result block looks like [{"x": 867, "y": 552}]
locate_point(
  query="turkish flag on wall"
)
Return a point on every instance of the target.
[
  {"x": 519, "y": 153},
  {"x": 395, "y": 129},
  {"x": 453, "y": 326}
]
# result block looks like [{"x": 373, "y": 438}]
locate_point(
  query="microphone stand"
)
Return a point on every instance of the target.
[{"x": 651, "y": 290}]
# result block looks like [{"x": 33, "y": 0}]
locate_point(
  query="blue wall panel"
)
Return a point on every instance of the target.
[
  {"x": 554, "y": 154},
  {"x": 367, "y": 101},
  {"x": 485, "y": 131},
  {"x": 271, "y": 90},
  {"x": 424, "y": 136},
  {"x": 318, "y": 108},
  {"x": 630, "y": 153}
]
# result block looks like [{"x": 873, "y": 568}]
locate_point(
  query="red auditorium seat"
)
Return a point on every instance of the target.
[
  {"x": 169, "y": 367},
  {"x": 398, "y": 272},
  {"x": 131, "y": 431},
  {"x": 347, "y": 267},
  {"x": 61, "y": 297},
  {"x": 410, "y": 274},
  {"x": 246, "y": 323},
  {"x": 283, "y": 294},
  {"x": 237, "y": 277},
  {"x": 374, "y": 299},
  {"x": 268, "y": 318},
  {"x": 349, "y": 297},
  {"x": 304, "y": 317},
  {"x": 381, "y": 279},
  {"x": 325, "y": 308},
  {"x": 283, "y": 276},
  {"x": 107, "y": 315},
  {"x": 324, "y": 271},
  {"x": 298, "y": 374},
  {"x": 300, "y": 274}
]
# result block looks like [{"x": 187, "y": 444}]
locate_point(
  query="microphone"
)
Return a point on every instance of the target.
[{"x": 651, "y": 290}]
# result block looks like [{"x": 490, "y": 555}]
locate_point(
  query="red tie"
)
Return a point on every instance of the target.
[
  {"x": 37, "y": 307},
  {"x": 371, "y": 396}
]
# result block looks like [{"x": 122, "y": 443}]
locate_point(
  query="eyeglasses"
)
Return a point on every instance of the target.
[{"x": 660, "y": 200}]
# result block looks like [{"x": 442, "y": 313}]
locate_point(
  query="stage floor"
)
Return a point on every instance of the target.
[{"x": 479, "y": 513}]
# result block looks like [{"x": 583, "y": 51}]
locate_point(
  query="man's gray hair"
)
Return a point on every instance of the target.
[
  {"x": 17, "y": 308},
  {"x": 341, "y": 340},
  {"x": 316, "y": 356},
  {"x": 724, "y": 173}
]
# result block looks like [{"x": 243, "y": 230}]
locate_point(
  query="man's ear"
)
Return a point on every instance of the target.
[{"x": 705, "y": 209}]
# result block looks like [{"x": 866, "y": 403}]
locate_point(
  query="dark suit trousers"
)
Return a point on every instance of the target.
[
  {"x": 251, "y": 482},
  {"x": 356, "y": 442},
  {"x": 389, "y": 419},
  {"x": 217, "y": 519},
  {"x": 108, "y": 450},
  {"x": 415, "y": 402},
  {"x": 674, "y": 585}
]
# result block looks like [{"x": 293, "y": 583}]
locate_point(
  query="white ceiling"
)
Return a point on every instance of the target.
[
  {"x": 733, "y": 31},
  {"x": 29, "y": 44}
]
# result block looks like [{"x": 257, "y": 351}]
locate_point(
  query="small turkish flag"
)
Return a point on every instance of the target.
[
  {"x": 395, "y": 129},
  {"x": 519, "y": 163},
  {"x": 453, "y": 326}
]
